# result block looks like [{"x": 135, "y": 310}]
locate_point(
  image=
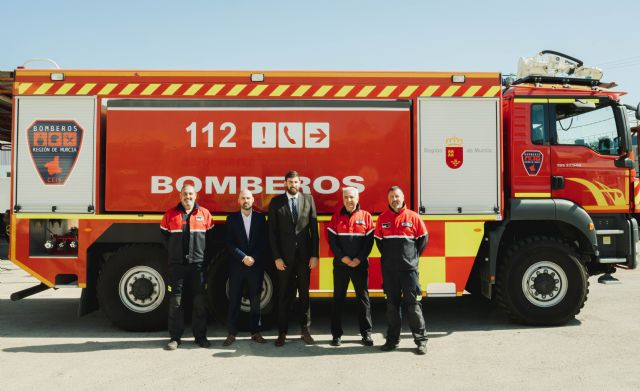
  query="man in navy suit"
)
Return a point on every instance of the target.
[{"x": 246, "y": 239}]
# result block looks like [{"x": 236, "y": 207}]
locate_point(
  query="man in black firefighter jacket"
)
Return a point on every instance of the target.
[
  {"x": 184, "y": 228},
  {"x": 401, "y": 237},
  {"x": 351, "y": 239}
]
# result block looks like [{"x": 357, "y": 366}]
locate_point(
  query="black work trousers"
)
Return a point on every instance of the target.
[
  {"x": 360, "y": 278},
  {"x": 179, "y": 276},
  {"x": 295, "y": 276},
  {"x": 253, "y": 277},
  {"x": 402, "y": 289}
]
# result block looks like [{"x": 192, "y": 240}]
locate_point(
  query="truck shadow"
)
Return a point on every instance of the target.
[{"x": 56, "y": 318}]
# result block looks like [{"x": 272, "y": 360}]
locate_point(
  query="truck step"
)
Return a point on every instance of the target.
[
  {"x": 609, "y": 232},
  {"x": 612, "y": 260}
]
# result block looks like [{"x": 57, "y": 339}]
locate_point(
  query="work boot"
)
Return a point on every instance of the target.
[
  {"x": 389, "y": 346},
  {"x": 203, "y": 342},
  {"x": 173, "y": 344},
  {"x": 422, "y": 348},
  {"x": 336, "y": 341},
  {"x": 366, "y": 340}
]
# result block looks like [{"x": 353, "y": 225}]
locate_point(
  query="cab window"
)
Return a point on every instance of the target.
[
  {"x": 539, "y": 133},
  {"x": 592, "y": 127}
]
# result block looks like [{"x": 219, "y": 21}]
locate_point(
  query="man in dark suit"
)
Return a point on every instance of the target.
[
  {"x": 293, "y": 234},
  {"x": 246, "y": 239}
]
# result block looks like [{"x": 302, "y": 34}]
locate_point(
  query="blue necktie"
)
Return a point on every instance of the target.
[{"x": 294, "y": 210}]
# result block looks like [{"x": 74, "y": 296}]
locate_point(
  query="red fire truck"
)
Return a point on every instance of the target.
[{"x": 527, "y": 188}]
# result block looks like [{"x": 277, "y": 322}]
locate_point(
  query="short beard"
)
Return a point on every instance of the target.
[{"x": 295, "y": 190}]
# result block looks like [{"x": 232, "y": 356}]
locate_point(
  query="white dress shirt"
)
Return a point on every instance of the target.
[{"x": 247, "y": 222}]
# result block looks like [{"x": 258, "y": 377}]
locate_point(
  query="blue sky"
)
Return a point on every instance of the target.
[{"x": 325, "y": 35}]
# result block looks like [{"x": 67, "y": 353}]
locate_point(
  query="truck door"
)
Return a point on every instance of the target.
[
  {"x": 55, "y": 154},
  {"x": 588, "y": 154}
]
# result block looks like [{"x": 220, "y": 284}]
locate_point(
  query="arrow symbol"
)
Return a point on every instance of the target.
[{"x": 320, "y": 136}]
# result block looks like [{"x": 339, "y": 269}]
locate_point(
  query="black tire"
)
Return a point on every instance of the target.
[
  {"x": 542, "y": 282},
  {"x": 218, "y": 296},
  {"x": 132, "y": 289}
]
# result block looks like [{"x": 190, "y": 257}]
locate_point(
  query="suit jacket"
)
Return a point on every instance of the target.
[
  {"x": 238, "y": 244},
  {"x": 285, "y": 235}
]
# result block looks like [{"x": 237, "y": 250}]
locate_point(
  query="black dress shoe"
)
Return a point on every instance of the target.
[
  {"x": 203, "y": 342},
  {"x": 282, "y": 337},
  {"x": 336, "y": 341},
  {"x": 367, "y": 341}
]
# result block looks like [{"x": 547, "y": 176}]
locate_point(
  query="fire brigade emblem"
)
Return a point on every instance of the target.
[
  {"x": 54, "y": 147},
  {"x": 532, "y": 161},
  {"x": 454, "y": 152}
]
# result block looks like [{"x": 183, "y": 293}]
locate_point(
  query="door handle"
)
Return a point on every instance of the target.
[{"x": 557, "y": 182}]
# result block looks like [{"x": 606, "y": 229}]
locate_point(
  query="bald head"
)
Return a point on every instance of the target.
[{"x": 245, "y": 200}]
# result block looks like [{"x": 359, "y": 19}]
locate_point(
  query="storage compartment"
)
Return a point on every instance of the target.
[{"x": 459, "y": 156}]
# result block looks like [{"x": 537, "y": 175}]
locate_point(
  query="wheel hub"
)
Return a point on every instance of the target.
[
  {"x": 141, "y": 289},
  {"x": 544, "y": 284}
]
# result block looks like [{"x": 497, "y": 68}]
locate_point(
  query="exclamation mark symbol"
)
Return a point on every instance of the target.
[{"x": 264, "y": 135}]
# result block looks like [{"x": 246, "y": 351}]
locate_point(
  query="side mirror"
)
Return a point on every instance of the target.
[{"x": 636, "y": 109}]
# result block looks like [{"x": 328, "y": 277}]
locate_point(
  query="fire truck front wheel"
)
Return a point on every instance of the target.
[
  {"x": 131, "y": 288},
  {"x": 542, "y": 281}
]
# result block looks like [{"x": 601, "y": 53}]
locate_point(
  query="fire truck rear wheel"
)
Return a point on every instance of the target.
[
  {"x": 218, "y": 295},
  {"x": 132, "y": 289},
  {"x": 542, "y": 281}
]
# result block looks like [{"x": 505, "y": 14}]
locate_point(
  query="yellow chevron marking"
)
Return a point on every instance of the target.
[
  {"x": 344, "y": 91},
  {"x": 463, "y": 239},
  {"x": 322, "y": 91},
  {"x": 150, "y": 89},
  {"x": 65, "y": 88},
  {"x": 107, "y": 89},
  {"x": 214, "y": 89},
  {"x": 471, "y": 91},
  {"x": 301, "y": 90},
  {"x": 365, "y": 91},
  {"x": 129, "y": 89},
  {"x": 86, "y": 89},
  {"x": 236, "y": 90},
  {"x": 432, "y": 269},
  {"x": 408, "y": 91},
  {"x": 171, "y": 89},
  {"x": 43, "y": 88},
  {"x": 22, "y": 87},
  {"x": 530, "y": 100},
  {"x": 451, "y": 90},
  {"x": 532, "y": 195},
  {"x": 279, "y": 90},
  {"x": 193, "y": 89},
  {"x": 257, "y": 90},
  {"x": 492, "y": 91},
  {"x": 386, "y": 91},
  {"x": 593, "y": 189},
  {"x": 429, "y": 90}
]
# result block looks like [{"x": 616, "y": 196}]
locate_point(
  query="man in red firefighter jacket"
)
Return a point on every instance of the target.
[
  {"x": 351, "y": 239},
  {"x": 401, "y": 237},
  {"x": 184, "y": 228}
]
